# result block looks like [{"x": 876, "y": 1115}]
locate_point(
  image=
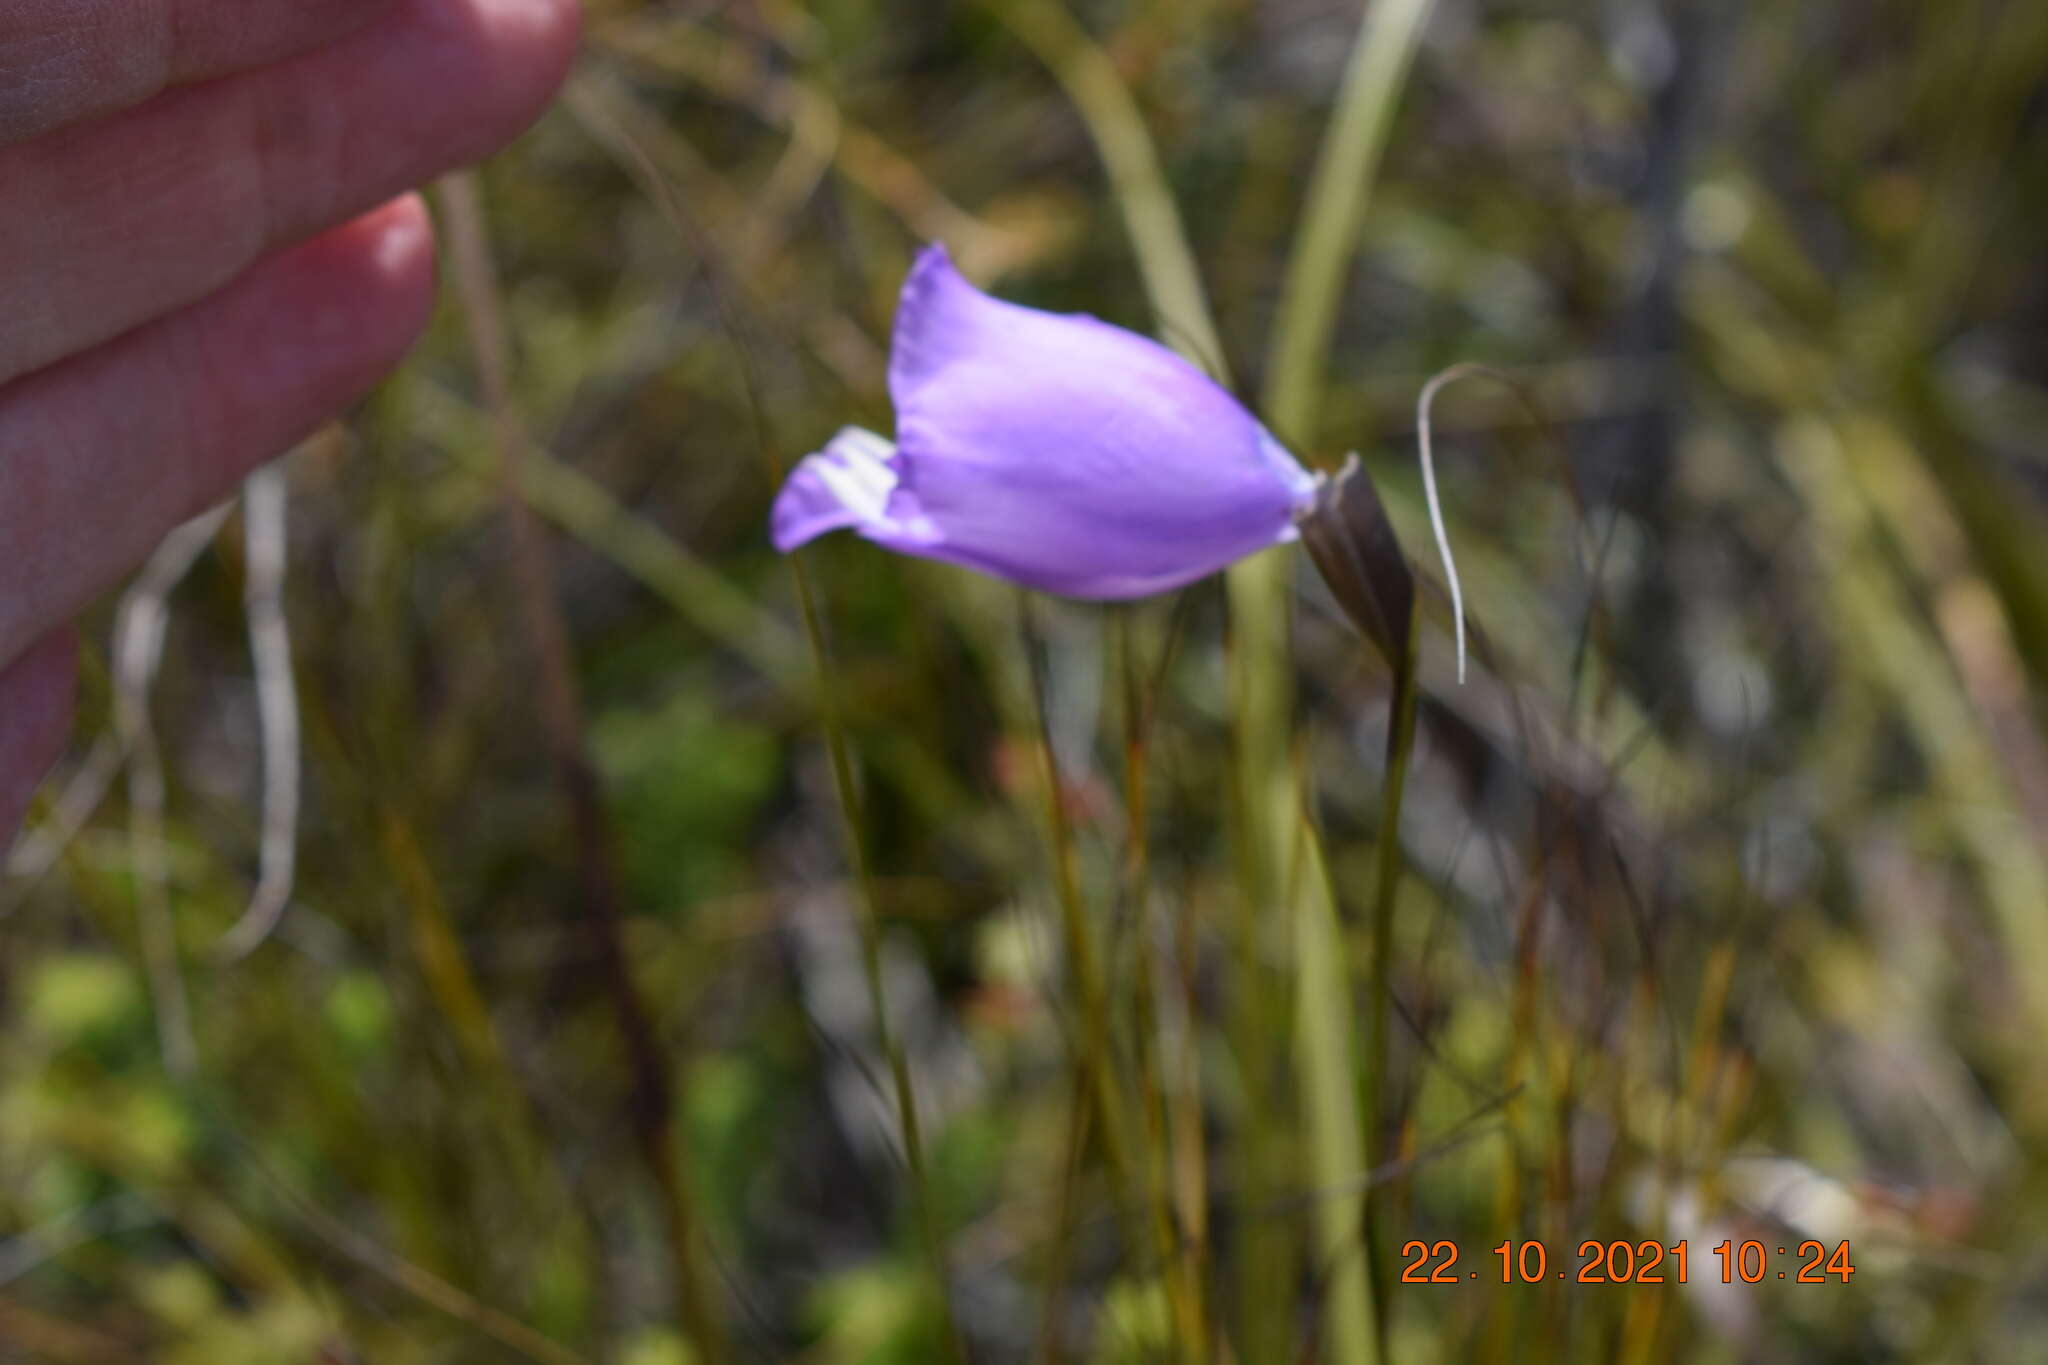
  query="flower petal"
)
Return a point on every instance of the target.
[
  {"x": 1049, "y": 449},
  {"x": 1062, "y": 452},
  {"x": 847, "y": 484}
]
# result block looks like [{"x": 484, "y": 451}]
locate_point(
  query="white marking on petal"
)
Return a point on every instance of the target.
[{"x": 857, "y": 467}]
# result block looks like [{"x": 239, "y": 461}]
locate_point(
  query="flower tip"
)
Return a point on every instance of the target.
[
  {"x": 788, "y": 525},
  {"x": 932, "y": 259}
]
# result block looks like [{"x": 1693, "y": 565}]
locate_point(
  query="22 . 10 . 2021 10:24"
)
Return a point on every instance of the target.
[{"x": 1598, "y": 1262}]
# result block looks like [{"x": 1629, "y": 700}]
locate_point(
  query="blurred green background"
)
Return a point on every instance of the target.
[{"x": 1724, "y": 899}]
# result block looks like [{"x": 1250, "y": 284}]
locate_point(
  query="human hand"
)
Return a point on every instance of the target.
[{"x": 201, "y": 260}]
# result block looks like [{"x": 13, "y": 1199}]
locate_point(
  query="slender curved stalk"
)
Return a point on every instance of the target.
[
  {"x": 1179, "y": 1253},
  {"x": 1097, "y": 1057},
  {"x": 930, "y": 1230},
  {"x": 1386, "y": 886},
  {"x": 607, "y": 129},
  {"x": 1337, "y": 195},
  {"x": 1330, "y": 1110},
  {"x": 1261, "y": 679},
  {"x": 1292, "y": 400},
  {"x": 1261, "y": 684}
]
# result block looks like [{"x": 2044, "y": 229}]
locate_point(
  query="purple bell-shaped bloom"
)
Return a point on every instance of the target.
[{"x": 1053, "y": 450}]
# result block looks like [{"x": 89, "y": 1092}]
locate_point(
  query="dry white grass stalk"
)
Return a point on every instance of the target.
[
  {"x": 1436, "y": 511},
  {"x": 277, "y": 703},
  {"x": 139, "y": 625}
]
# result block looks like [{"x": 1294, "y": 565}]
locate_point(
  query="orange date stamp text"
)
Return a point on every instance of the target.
[{"x": 1620, "y": 1262}]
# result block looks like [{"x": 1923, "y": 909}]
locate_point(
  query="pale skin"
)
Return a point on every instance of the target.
[{"x": 208, "y": 248}]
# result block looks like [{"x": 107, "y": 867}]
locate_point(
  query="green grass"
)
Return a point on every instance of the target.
[{"x": 1221, "y": 953}]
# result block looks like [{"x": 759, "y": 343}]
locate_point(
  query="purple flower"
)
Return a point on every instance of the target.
[{"x": 1050, "y": 449}]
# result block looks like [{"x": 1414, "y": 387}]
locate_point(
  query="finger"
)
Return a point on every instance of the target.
[
  {"x": 102, "y": 455},
  {"x": 35, "y": 721},
  {"x": 111, "y": 224},
  {"x": 63, "y": 61}
]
